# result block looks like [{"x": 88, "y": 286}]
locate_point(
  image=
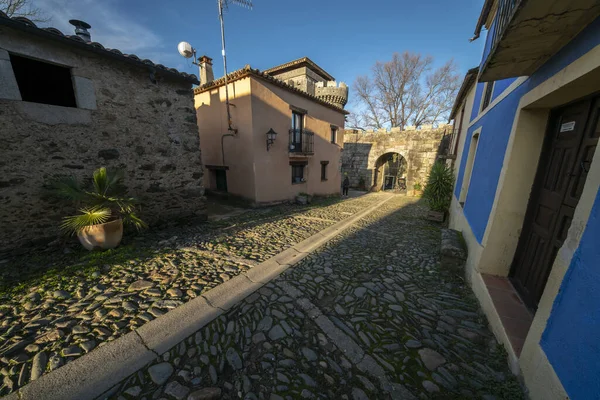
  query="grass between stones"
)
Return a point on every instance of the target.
[{"x": 56, "y": 305}]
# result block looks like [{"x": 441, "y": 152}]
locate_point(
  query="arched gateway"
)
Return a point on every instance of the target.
[
  {"x": 382, "y": 160},
  {"x": 390, "y": 172}
]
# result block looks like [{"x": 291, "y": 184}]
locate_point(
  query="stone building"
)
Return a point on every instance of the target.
[
  {"x": 389, "y": 159},
  {"x": 68, "y": 106},
  {"x": 299, "y": 102}
]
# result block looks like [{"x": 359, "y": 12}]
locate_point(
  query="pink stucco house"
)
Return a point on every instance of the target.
[{"x": 283, "y": 135}]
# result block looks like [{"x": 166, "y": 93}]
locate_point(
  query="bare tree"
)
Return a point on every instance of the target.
[
  {"x": 406, "y": 91},
  {"x": 22, "y": 8}
]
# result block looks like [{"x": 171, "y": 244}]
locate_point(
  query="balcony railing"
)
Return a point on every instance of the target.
[
  {"x": 448, "y": 144},
  {"x": 302, "y": 142},
  {"x": 506, "y": 10}
]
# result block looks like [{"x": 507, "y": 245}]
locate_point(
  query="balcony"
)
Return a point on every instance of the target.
[
  {"x": 447, "y": 149},
  {"x": 526, "y": 33},
  {"x": 302, "y": 142}
]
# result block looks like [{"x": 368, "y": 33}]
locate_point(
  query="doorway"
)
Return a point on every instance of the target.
[
  {"x": 390, "y": 171},
  {"x": 569, "y": 146},
  {"x": 221, "y": 180}
]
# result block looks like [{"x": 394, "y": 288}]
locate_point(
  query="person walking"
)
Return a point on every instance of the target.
[{"x": 345, "y": 185}]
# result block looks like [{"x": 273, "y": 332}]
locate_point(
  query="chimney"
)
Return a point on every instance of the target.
[
  {"x": 206, "y": 74},
  {"x": 81, "y": 29}
]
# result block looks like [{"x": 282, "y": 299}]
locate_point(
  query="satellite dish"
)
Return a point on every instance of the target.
[{"x": 185, "y": 49}]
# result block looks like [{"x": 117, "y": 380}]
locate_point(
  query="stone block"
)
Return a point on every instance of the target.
[
  {"x": 85, "y": 93},
  {"x": 453, "y": 253},
  {"x": 88, "y": 377},
  {"x": 168, "y": 330},
  {"x": 54, "y": 115},
  {"x": 8, "y": 84}
]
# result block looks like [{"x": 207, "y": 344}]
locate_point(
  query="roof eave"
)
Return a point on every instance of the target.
[
  {"x": 485, "y": 12},
  {"x": 295, "y": 63},
  {"x": 249, "y": 72},
  {"x": 32, "y": 30},
  {"x": 468, "y": 82}
]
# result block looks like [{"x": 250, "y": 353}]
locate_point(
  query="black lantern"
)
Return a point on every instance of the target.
[{"x": 270, "y": 138}]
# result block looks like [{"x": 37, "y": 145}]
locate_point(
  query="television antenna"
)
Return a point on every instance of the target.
[{"x": 224, "y": 5}]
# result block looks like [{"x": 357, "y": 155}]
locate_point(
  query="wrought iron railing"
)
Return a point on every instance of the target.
[
  {"x": 505, "y": 13},
  {"x": 447, "y": 147},
  {"x": 302, "y": 141}
]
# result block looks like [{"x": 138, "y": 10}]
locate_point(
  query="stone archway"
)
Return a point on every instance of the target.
[
  {"x": 365, "y": 152},
  {"x": 390, "y": 172}
]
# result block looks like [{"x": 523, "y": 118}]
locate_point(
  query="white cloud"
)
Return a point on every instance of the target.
[
  {"x": 113, "y": 29},
  {"x": 109, "y": 25}
]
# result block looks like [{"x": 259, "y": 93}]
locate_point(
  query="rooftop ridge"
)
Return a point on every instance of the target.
[
  {"x": 299, "y": 61},
  {"x": 249, "y": 71},
  {"x": 26, "y": 25}
]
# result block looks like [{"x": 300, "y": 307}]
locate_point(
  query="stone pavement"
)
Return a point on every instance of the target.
[
  {"x": 55, "y": 308},
  {"x": 367, "y": 316}
]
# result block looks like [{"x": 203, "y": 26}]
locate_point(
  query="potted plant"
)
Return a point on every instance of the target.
[
  {"x": 303, "y": 198},
  {"x": 417, "y": 189},
  {"x": 438, "y": 191},
  {"x": 103, "y": 208}
]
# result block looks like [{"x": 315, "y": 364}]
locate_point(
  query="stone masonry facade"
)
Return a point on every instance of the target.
[
  {"x": 306, "y": 76},
  {"x": 147, "y": 128},
  {"x": 363, "y": 150}
]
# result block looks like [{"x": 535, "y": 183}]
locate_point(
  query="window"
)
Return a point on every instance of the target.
[
  {"x": 487, "y": 95},
  {"x": 41, "y": 82},
  {"x": 324, "y": 170},
  {"x": 297, "y": 128},
  {"x": 469, "y": 168},
  {"x": 297, "y": 121},
  {"x": 297, "y": 173},
  {"x": 334, "y": 134}
]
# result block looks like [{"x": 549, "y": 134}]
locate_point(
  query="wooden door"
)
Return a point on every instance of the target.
[{"x": 568, "y": 150}]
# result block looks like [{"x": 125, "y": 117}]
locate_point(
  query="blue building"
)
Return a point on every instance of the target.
[{"x": 527, "y": 196}]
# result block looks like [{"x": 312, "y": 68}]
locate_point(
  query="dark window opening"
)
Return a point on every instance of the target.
[
  {"x": 333, "y": 135},
  {"x": 487, "y": 96},
  {"x": 324, "y": 170},
  {"x": 297, "y": 173},
  {"x": 41, "y": 82},
  {"x": 297, "y": 128},
  {"x": 221, "y": 180}
]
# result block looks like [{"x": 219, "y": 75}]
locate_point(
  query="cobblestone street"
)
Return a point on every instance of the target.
[
  {"x": 367, "y": 316},
  {"x": 55, "y": 307}
]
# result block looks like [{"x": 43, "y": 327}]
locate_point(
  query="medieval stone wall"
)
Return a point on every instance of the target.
[
  {"x": 420, "y": 149},
  {"x": 148, "y": 129}
]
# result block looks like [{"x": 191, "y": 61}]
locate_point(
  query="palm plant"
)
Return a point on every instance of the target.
[
  {"x": 438, "y": 191},
  {"x": 104, "y": 201}
]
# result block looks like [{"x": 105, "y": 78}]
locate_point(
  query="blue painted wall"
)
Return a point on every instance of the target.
[
  {"x": 501, "y": 86},
  {"x": 571, "y": 340},
  {"x": 477, "y": 100},
  {"x": 496, "y": 126}
]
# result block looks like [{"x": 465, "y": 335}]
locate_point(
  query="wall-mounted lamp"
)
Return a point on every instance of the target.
[{"x": 271, "y": 138}]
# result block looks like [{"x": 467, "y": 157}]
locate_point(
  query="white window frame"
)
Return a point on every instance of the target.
[{"x": 468, "y": 173}]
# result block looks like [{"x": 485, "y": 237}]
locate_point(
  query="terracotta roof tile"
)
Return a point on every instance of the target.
[
  {"x": 296, "y": 63},
  {"x": 249, "y": 71}
]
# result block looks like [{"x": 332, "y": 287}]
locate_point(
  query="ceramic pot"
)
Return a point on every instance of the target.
[{"x": 102, "y": 236}]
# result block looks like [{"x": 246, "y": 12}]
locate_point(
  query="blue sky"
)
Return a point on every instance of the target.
[{"x": 345, "y": 37}]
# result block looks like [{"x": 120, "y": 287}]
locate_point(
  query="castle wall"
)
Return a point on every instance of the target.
[{"x": 420, "y": 148}]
